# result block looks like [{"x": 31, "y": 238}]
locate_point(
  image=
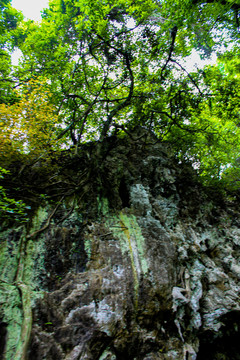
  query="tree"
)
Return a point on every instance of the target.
[
  {"x": 29, "y": 126},
  {"x": 10, "y": 36},
  {"x": 112, "y": 65}
]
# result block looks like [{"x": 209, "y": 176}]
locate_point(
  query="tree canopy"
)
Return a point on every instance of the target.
[
  {"x": 10, "y": 35},
  {"x": 94, "y": 68}
]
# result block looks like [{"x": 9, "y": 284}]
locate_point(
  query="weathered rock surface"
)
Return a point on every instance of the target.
[{"x": 135, "y": 262}]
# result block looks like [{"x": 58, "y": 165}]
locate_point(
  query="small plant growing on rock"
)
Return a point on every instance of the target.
[{"x": 11, "y": 208}]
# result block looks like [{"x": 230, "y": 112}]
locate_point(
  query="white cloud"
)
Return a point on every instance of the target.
[{"x": 31, "y": 9}]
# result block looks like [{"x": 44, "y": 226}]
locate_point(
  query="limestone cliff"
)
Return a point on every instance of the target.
[{"x": 125, "y": 257}]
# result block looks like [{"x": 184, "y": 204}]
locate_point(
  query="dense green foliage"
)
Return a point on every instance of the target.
[
  {"x": 111, "y": 65},
  {"x": 11, "y": 208},
  {"x": 10, "y": 35}
]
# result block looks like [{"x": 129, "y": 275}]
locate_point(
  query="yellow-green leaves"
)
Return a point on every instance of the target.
[
  {"x": 121, "y": 62},
  {"x": 29, "y": 126}
]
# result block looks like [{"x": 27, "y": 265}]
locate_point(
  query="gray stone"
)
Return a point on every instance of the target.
[{"x": 136, "y": 266}]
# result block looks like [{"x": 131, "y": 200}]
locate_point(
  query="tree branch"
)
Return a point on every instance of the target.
[
  {"x": 124, "y": 103},
  {"x": 75, "y": 96},
  {"x": 173, "y": 36},
  {"x": 190, "y": 77}
]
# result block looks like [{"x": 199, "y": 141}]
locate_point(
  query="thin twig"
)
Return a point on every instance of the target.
[
  {"x": 190, "y": 77},
  {"x": 48, "y": 221},
  {"x": 69, "y": 212}
]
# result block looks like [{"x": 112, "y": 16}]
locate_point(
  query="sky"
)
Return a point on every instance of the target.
[{"x": 31, "y": 9}]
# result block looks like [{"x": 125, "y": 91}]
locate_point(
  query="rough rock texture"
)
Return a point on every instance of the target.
[{"x": 137, "y": 261}]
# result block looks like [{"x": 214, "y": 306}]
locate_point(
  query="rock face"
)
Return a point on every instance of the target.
[{"x": 133, "y": 261}]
